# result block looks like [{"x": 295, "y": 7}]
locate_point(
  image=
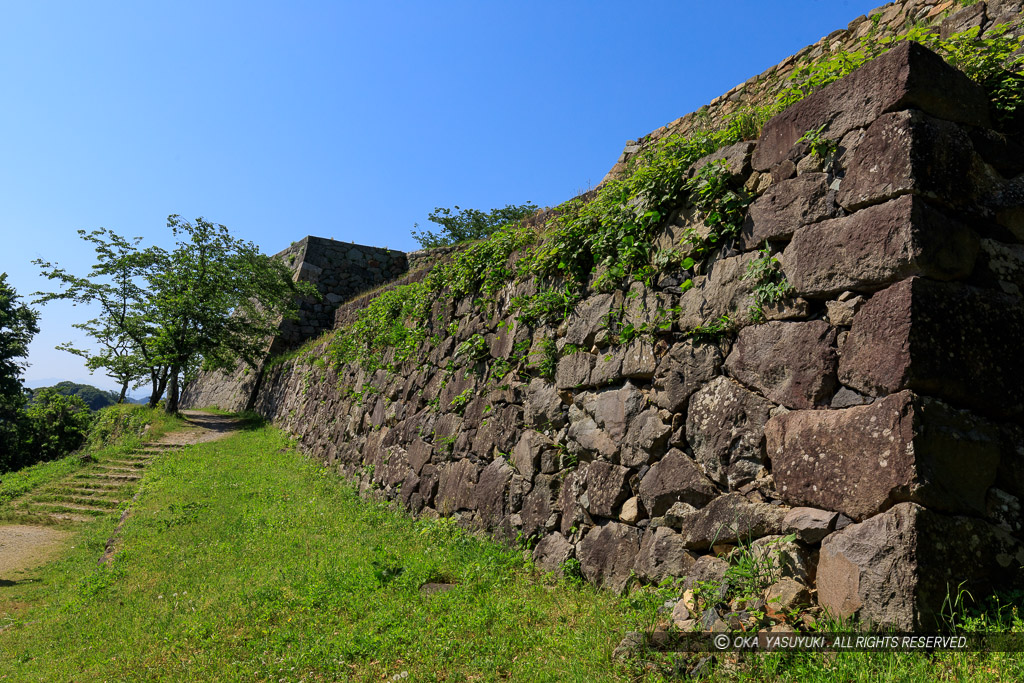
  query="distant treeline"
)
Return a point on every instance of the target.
[{"x": 94, "y": 398}]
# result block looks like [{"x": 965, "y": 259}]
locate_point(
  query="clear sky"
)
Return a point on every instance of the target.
[{"x": 350, "y": 120}]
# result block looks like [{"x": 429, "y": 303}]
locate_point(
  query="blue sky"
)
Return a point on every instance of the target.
[{"x": 350, "y": 120}]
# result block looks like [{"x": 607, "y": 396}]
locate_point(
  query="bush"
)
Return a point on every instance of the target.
[
  {"x": 469, "y": 224},
  {"x": 58, "y": 424}
]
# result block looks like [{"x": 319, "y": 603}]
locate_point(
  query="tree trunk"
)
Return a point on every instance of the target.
[
  {"x": 124, "y": 390},
  {"x": 171, "y": 406},
  {"x": 159, "y": 384}
]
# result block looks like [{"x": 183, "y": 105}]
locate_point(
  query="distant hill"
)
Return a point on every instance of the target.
[{"x": 93, "y": 397}]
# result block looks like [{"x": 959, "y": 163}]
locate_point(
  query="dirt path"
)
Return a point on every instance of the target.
[{"x": 96, "y": 491}]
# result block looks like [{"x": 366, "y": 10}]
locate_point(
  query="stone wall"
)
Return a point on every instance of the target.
[
  {"x": 893, "y": 18},
  {"x": 876, "y": 414},
  {"x": 341, "y": 271}
]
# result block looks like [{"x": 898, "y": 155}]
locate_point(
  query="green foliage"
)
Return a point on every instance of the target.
[
  {"x": 713, "y": 330},
  {"x": 985, "y": 59},
  {"x": 482, "y": 267},
  {"x": 548, "y": 363},
  {"x": 94, "y": 398},
  {"x": 58, "y": 423},
  {"x": 392, "y": 321},
  {"x": 469, "y": 224},
  {"x": 548, "y": 306},
  {"x": 724, "y": 208},
  {"x": 821, "y": 147},
  {"x": 770, "y": 283},
  {"x": 18, "y": 324},
  {"x": 116, "y": 286}
]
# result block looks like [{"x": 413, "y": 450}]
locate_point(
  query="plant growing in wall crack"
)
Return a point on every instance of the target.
[{"x": 770, "y": 284}]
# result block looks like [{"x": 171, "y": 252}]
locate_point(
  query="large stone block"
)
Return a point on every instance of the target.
[
  {"x": 896, "y": 569},
  {"x": 877, "y": 246},
  {"x": 662, "y": 554},
  {"x": 725, "y": 428},
  {"x": 908, "y": 76},
  {"x": 492, "y": 493},
  {"x": 790, "y": 363},
  {"x": 786, "y": 206},
  {"x": 682, "y": 371},
  {"x": 728, "y": 519},
  {"x": 607, "y": 553},
  {"x": 941, "y": 339},
  {"x": 607, "y": 488},
  {"x": 674, "y": 478},
  {"x": 457, "y": 486},
  {"x": 910, "y": 152},
  {"x": 862, "y": 460}
]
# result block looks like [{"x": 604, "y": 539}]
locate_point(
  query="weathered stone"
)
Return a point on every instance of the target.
[
  {"x": 1004, "y": 265},
  {"x": 845, "y": 398},
  {"x": 661, "y": 555},
  {"x": 709, "y": 570},
  {"x": 456, "y": 487},
  {"x": 639, "y": 361},
  {"x": 419, "y": 453},
  {"x": 910, "y": 152},
  {"x": 908, "y": 76},
  {"x": 790, "y": 363},
  {"x": 681, "y": 615},
  {"x": 574, "y": 370},
  {"x": 683, "y": 370},
  {"x": 676, "y": 515},
  {"x": 607, "y": 553},
  {"x": 526, "y": 455},
  {"x": 786, "y": 206},
  {"x": 862, "y": 460},
  {"x": 725, "y": 291},
  {"x": 841, "y": 311},
  {"x": 614, "y": 409},
  {"x": 728, "y": 519},
  {"x": 588, "y": 319},
  {"x": 607, "y": 488},
  {"x": 674, "y": 478},
  {"x": 972, "y": 16},
  {"x": 810, "y": 525},
  {"x": 551, "y": 553},
  {"x": 645, "y": 439},
  {"x": 492, "y": 493},
  {"x": 877, "y": 246},
  {"x": 585, "y": 437},
  {"x": 725, "y": 428},
  {"x": 608, "y": 367},
  {"x": 942, "y": 340},
  {"x": 543, "y": 407},
  {"x": 735, "y": 159},
  {"x": 784, "y": 558},
  {"x": 540, "y": 512},
  {"x": 632, "y": 511},
  {"x": 896, "y": 569},
  {"x": 785, "y": 596}
]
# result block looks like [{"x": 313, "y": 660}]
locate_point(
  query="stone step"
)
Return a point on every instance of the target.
[
  {"x": 138, "y": 464},
  {"x": 70, "y": 508},
  {"x": 89, "y": 501},
  {"x": 111, "y": 476}
]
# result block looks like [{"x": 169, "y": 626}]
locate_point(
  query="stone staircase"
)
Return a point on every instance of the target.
[{"x": 100, "y": 488}]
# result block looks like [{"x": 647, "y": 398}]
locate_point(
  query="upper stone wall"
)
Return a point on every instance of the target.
[
  {"x": 340, "y": 270},
  {"x": 894, "y": 18}
]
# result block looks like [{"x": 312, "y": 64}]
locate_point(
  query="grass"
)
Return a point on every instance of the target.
[
  {"x": 244, "y": 560},
  {"x": 117, "y": 429}
]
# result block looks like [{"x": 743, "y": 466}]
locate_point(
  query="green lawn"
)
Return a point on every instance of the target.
[{"x": 244, "y": 561}]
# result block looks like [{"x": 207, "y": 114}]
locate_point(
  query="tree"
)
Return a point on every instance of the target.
[
  {"x": 216, "y": 300},
  {"x": 469, "y": 224},
  {"x": 58, "y": 424},
  {"x": 18, "y": 324},
  {"x": 117, "y": 284},
  {"x": 212, "y": 301}
]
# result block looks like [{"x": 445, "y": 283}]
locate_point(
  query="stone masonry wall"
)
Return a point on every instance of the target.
[
  {"x": 877, "y": 414},
  {"x": 340, "y": 271},
  {"x": 893, "y": 18}
]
